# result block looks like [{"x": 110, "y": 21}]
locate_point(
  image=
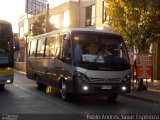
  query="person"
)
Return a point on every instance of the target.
[
  {"x": 135, "y": 72},
  {"x": 102, "y": 53},
  {"x": 107, "y": 52}
]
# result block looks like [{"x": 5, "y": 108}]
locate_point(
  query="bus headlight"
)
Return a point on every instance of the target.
[
  {"x": 8, "y": 81},
  {"x": 124, "y": 88},
  {"x": 126, "y": 78},
  {"x": 85, "y": 88},
  {"x": 82, "y": 77},
  {"x": 8, "y": 68}
]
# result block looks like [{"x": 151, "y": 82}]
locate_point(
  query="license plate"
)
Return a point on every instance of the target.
[{"x": 106, "y": 87}]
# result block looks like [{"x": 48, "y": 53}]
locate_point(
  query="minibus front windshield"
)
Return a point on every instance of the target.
[{"x": 100, "y": 51}]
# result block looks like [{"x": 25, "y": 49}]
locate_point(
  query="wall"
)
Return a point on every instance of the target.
[
  {"x": 59, "y": 10},
  {"x": 20, "y": 66}
]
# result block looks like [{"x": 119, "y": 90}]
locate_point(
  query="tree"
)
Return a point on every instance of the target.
[
  {"x": 138, "y": 21},
  {"x": 39, "y": 25}
]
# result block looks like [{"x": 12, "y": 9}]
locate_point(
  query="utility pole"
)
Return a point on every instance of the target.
[{"x": 47, "y": 18}]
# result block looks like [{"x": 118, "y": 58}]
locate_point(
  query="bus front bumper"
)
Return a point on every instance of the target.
[
  {"x": 6, "y": 76},
  {"x": 103, "y": 89},
  {"x": 6, "y": 79}
]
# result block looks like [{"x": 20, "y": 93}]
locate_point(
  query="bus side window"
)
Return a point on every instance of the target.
[
  {"x": 33, "y": 48},
  {"x": 28, "y": 49},
  {"x": 40, "y": 47},
  {"x": 50, "y": 47},
  {"x": 66, "y": 50}
]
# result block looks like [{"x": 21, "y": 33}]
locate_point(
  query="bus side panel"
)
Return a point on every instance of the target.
[
  {"x": 53, "y": 72},
  {"x": 36, "y": 68},
  {"x": 67, "y": 72},
  {"x": 46, "y": 69}
]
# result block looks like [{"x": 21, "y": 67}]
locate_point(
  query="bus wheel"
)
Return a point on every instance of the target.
[
  {"x": 63, "y": 91},
  {"x": 112, "y": 97},
  {"x": 2, "y": 86},
  {"x": 41, "y": 86}
]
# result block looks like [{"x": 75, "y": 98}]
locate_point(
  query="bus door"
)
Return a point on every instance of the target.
[{"x": 65, "y": 56}]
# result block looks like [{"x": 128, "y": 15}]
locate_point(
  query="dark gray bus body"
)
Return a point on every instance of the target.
[{"x": 58, "y": 61}]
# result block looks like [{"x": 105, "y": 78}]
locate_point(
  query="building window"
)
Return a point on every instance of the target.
[
  {"x": 90, "y": 15},
  {"x": 105, "y": 18}
]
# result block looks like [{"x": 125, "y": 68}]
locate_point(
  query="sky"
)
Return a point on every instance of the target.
[{"x": 11, "y": 10}]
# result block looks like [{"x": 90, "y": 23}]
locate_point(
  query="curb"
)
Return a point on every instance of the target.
[
  {"x": 142, "y": 98},
  {"x": 154, "y": 90}
]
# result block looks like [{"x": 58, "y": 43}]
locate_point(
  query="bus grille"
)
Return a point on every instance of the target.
[{"x": 105, "y": 80}]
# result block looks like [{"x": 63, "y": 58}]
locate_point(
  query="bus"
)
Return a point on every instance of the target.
[
  {"x": 79, "y": 61},
  {"x": 6, "y": 53}
]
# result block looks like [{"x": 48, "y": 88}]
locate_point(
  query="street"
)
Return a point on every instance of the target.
[{"x": 23, "y": 98}]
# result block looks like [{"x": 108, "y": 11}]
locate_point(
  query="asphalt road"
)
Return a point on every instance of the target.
[{"x": 21, "y": 100}]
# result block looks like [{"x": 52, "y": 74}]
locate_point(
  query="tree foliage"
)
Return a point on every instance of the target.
[
  {"x": 39, "y": 25},
  {"x": 138, "y": 21}
]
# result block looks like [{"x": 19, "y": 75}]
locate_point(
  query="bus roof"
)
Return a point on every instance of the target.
[
  {"x": 88, "y": 30},
  {"x": 75, "y": 30},
  {"x": 4, "y": 22}
]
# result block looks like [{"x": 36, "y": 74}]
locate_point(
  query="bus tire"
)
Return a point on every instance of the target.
[
  {"x": 112, "y": 97},
  {"x": 2, "y": 86},
  {"x": 63, "y": 91},
  {"x": 40, "y": 86}
]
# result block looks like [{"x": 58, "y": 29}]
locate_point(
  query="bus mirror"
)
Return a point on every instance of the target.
[{"x": 67, "y": 37}]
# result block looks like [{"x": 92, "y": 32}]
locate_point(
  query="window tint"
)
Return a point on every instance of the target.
[
  {"x": 5, "y": 45},
  {"x": 99, "y": 48},
  {"x": 40, "y": 48},
  {"x": 65, "y": 55},
  {"x": 28, "y": 49},
  {"x": 50, "y": 46},
  {"x": 58, "y": 47}
]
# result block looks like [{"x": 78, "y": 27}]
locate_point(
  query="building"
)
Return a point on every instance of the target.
[
  {"x": 80, "y": 13},
  {"x": 70, "y": 13},
  {"x": 34, "y": 7}
]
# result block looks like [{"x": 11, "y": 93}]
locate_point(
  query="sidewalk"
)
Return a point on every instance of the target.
[{"x": 150, "y": 95}]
